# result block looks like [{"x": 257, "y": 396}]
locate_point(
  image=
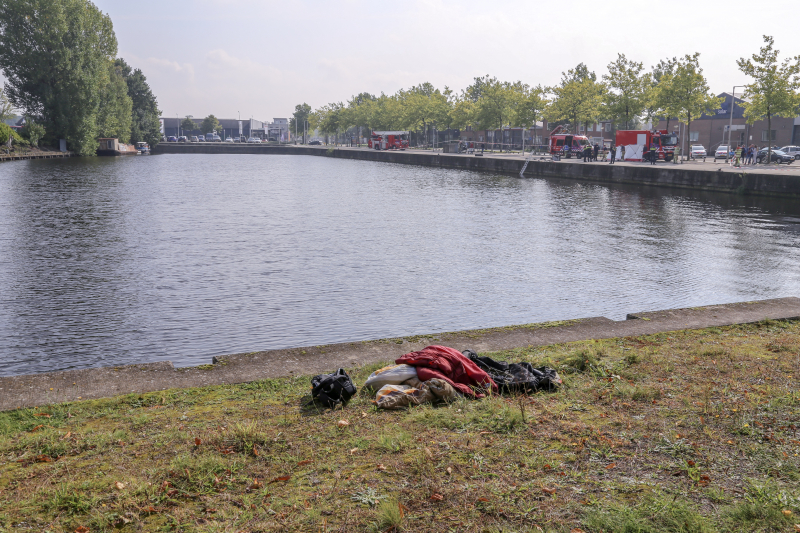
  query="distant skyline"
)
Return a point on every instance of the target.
[{"x": 261, "y": 58}]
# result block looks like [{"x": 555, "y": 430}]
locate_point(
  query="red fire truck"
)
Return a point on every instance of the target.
[
  {"x": 566, "y": 144},
  {"x": 388, "y": 140},
  {"x": 665, "y": 143}
]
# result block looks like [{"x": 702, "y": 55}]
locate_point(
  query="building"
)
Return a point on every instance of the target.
[
  {"x": 229, "y": 127},
  {"x": 278, "y": 130},
  {"x": 16, "y": 122},
  {"x": 711, "y": 130}
]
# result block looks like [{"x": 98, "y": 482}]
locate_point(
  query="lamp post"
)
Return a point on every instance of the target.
[
  {"x": 178, "y": 121},
  {"x": 730, "y": 122}
]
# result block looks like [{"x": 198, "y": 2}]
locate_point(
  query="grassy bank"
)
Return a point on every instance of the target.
[{"x": 689, "y": 431}]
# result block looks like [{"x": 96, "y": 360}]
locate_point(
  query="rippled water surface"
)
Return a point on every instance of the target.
[{"x": 180, "y": 257}]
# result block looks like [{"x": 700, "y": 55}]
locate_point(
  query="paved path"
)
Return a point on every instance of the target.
[{"x": 40, "y": 389}]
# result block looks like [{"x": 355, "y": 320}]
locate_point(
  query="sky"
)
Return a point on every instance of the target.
[{"x": 260, "y": 58}]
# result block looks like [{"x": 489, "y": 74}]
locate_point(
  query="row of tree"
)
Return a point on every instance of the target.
[
  {"x": 59, "y": 60},
  {"x": 627, "y": 95}
]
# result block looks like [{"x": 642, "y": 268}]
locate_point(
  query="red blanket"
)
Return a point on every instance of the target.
[{"x": 450, "y": 365}]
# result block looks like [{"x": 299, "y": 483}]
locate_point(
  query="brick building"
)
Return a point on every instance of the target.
[{"x": 712, "y": 130}]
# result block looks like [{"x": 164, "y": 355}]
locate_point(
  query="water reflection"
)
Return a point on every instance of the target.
[{"x": 115, "y": 261}]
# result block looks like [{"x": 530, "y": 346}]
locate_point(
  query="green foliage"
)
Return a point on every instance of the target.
[
  {"x": 299, "y": 118},
  {"x": 188, "y": 125},
  {"x": 6, "y": 132},
  {"x": 145, "y": 125},
  {"x": 114, "y": 114},
  {"x": 210, "y": 124},
  {"x": 684, "y": 93},
  {"x": 627, "y": 89},
  {"x": 6, "y": 107},
  {"x": 55, "y": 56},
  {"x": 578, "y": 98},
  {"x": 773, "y": 91},
  {"x": 32, "y": 131}
]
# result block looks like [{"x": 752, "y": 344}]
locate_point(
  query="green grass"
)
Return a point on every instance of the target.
[{"x": 687, "y": 431}]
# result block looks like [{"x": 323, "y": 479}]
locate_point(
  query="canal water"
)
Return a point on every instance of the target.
[{"x": 109, "y": 261}]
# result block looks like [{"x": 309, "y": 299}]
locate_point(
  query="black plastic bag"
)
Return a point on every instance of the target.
[
  {"x": 517, "y": 377},
  {"x": 332, "y": 390}
]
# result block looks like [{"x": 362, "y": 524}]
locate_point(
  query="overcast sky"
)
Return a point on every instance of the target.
[{"x": 263, "y": 57}]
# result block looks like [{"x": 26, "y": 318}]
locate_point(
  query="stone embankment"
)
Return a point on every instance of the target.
[
  {"x": 706, "y": 176},
  {"x": 41, "y": 389},
  {"x": 34, "y": 155}
]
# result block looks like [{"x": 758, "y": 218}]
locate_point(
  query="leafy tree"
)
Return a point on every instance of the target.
[
  {"x": 6, "y": 107},
  {"x": 529, "y": 107},
  {"x": 773, "y": 90},
  {"x": 114, "y": 111},
  {"x": 423, "y": 105},
  {"x": 210, "y": 124},
  {"x": 493, "y": 107},
  {"x": 55, "y": 56},
  {"x": 687, "y": 92},
  {"x": 188, "y": 125},
  {"x": 577, "y": 98},
  {"x": 627, "y": 88},
  {"x": 659, "y": 93},
  {"x": 32, "y": 131},
  {"x": 145, "y": 125},
  {"x": 299, "y": 117}
]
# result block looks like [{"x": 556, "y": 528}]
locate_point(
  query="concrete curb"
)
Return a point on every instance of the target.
[{"x": 40, "y": 389}]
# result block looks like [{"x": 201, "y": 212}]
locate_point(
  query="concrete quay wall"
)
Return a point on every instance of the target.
[
  {"x": 70, "y": 385},
  {"x": 759, "y": 182}
]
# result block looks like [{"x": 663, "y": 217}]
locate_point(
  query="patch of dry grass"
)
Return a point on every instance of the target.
[{"x": 688, "y": 431}]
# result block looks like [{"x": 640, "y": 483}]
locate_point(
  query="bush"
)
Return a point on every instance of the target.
[
  {"x": 5, "y": 132},
  {"x": 32, "y": 131}
]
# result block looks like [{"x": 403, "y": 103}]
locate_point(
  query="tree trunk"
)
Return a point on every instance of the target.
[{"x": 769, "y": 138}]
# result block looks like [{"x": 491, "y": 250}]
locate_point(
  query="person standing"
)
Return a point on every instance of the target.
[
  {"x": 738, "y": 153},
  {"x": 596, "y": 150},
  {"x": 613, "y": 153},
  {"x": 677, "y": 155},
  {"x": 653, "y": 154}
]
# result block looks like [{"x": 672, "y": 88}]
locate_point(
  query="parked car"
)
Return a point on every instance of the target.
[
  {"x": 216, "y": 139},
  {"x": 172, "y": 139},
  {"x": 183, "y": 139},
  {"x": 229, "y": 140},
  {"x": 315, "y": 143},
  {"x": 721, "y": 152},
  {"x": 193, "y": 139},
  {"x": 792, "y": 150},
  {"x": 778, "y": 156},
  {"x": 254, "y": 140},
  {"x": 697, "y": 151}
]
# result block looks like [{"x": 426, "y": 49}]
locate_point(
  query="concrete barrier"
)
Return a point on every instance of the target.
[{"x": 675, "y": 176}]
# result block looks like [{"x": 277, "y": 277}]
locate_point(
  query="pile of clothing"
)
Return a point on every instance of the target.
[{"x": 439, "y": 373}]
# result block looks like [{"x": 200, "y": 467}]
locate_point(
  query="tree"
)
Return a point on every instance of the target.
[
  {"x": 145, "y": 124},
  {"x": 210, "y": 124},
  {"x": 299, "y": 118},
  {"x": 55, "y": 56},
  {"x": 188, "y": 125},
  {"x": 577, "y": 98},
  {"x": 687, "y": 91},
  {"x": 6, "y": 107},
  {"x": 114, "y": 111},
  {"x": 627, "y": 88},
  {"x": 32, "y": 131},
  {"x": 530, "y": 107},
  {"x": 660, "y": 97},
  {"x": 774, "y": 86}
]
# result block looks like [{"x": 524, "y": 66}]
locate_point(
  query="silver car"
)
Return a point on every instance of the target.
[{"x": 793, "y": 151}]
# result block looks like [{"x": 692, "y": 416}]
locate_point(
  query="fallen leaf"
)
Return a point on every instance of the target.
[
  {"x": 576, "y": 530},
  {"x": 483, "y": 499},
  {"x": 787, "y": 513},
  {"x": 612, "y": 465},
  {"x": 81, "y": 529},
  {"x": 256, "y": 485},
  {"x": 797, "y": 527},
  {"x": 549, "y": 490},
  {"x": 40, "y": 426},
  {"x": 690, "y": 462},
  {"x": 449, "y": 470},
  {"x": 381, "y": 467},
  {"x": 402, "y": 509},
  {"x": 119, "y": 485},
  {"x": 354, "y": 450},
  {"x": 437, "y": 497},
  {"x": 428, "y": 452},
  {"x": 343, "y": 423},
  {"x": 705, "y": 477},
  {"x": 197, "y": 442},
  {"x": 363, "y": 414},
  {"x": 255, "y": 451},
  {"x": 172, "y": 492},
  {"x": 42, "y": 414},
  {"x": 68, "y": 435},
  {"x": 43, "y": 459},
  {"x": 281, "y": 478}
]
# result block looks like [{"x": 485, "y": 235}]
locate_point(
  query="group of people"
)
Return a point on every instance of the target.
[
  {"x": 590, "y": 152},
  {"x": 744, "y": 155}
]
